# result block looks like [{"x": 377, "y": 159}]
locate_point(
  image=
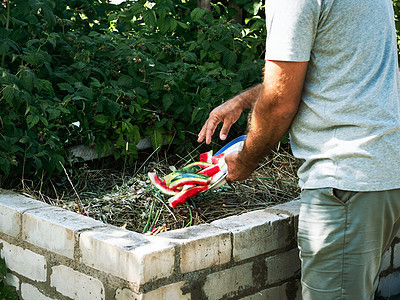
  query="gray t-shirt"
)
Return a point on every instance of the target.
[{"x": 347, "y": 128}]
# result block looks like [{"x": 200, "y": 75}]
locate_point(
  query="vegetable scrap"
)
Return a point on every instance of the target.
[{"x": 190, "y": 180}]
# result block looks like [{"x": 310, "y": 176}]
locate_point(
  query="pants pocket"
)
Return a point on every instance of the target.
[{"x": 342, "y": 195}]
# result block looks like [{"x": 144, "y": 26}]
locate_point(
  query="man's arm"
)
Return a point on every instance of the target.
[
  {"x": 228, "y": 113},
  {"x": 271, "y": 117}
]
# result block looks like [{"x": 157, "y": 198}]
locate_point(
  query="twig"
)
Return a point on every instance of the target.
[
  {"x": 78, "y": 199},
  {"x": 146, "y": 161},
  {"x": 172, "y": 213},
  {"x": 55, "y": 191},
  {"x": 146, "y": 227},
  {"x": 155, "y": 219},
  {"x": 191, "y": 215}
]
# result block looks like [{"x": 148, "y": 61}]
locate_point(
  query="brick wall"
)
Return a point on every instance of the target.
[{"x": 52, "y": 253}]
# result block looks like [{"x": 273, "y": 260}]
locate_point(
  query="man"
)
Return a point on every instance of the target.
[{"x": 331, "y": 79}]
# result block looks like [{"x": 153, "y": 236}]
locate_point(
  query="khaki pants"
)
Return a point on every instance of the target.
[{"x": 342, "y": 236}]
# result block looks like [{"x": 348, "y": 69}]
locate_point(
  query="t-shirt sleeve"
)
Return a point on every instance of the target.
[{"x": 291, "y": 28}]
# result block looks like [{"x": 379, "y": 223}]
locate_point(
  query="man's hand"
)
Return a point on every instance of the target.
[
  {"x": 238, "y": 170},
  {"x": 228, "y": 113}
]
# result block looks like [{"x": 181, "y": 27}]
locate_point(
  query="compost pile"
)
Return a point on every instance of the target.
[{"x": 125, "y": 197}]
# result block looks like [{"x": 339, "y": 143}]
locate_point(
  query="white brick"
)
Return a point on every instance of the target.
[
  {"x": 256, "y": 233},
  {"x": 282, "y": 292},
  {"x": 385, "y": 264},
  {"x": 125, "y": 294},
  {"x": 228, "y": 282},
  {"x": 389, "y": 285},
  {"x": 202, "y": 246},
  {"x": 24, "y": 262},
  {"x": 282, "y": 266},
  {"x": 12, "y": 205},
  {"x": 29, "y": 292},
  {"x": 128, "y": 255},
  {"x": 396, "y": 256},
  {"x": 55, "y": 229},
  {"x": 172, "y": 291},
  {"x": 76, "y": 285},
  {"x": 291, "y": 207}
]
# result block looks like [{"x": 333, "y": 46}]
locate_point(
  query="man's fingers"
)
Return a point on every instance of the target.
[
  {"x": 209, "y": 134},
  {"x": 208, "y": 129},
  {"x": 225, "y": 130},
  {"x": 201, "y": 135}
]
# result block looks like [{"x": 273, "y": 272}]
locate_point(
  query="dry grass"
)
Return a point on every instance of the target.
[{"x": 124, "y": 196}]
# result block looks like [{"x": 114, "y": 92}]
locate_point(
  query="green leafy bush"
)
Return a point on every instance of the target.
[{"x": 93, "y": 73}]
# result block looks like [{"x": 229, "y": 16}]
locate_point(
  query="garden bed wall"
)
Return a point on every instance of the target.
[{"x": 53, "y": 253}]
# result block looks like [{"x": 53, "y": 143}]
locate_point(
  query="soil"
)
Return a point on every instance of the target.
[{"x": 123, "y": 195}]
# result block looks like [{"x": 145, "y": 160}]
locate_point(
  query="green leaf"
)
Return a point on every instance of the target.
[
  {"x": 78, "y": 65},
  {"x": 66, "y": 87},
  {"x": 35, "y": 58},
  {"x": 197, "y": 13},
  {"x": 53, "y": 42},
  {"x": 136, "y": 8},
  {"x": 32, "y": 120},
  {"x": 53, "y": 113},
  {"x": 156, "y": 139},
  {"x": 102, "y": 119},
  {"x": 49, "y": 16},
  {"x": 4, "y": 47},
  {"x": 117, "y": 153},
  {"x": 31, "y": 42},
  {"x": 95, "y": 83},
  {"x": 114, "y": 108},
  {"x": 172, "y": 23},
  {"x": 183, "y": 25},
  {"x": 5, "y": 165},
  {"x": 44, "y": 121},
  {"x": 35, "y": 4},
  {"x": 230, "y": 59},
  {"x": 32, "y": 19},
  {"x": 192, "y": 46},
  {"x": 205, "y": 93},
  {"x": 38, "y": 162},
  {"x": 27, "y": 80},
  {"x": 205, "y": 45},
  {"x": 87, "y": 92},
  {"x": 149, "y": 17},
  {"x": 161, "y": 123},
  {"x": 47, "y": 86},
  {"x": 125, "y": 80},
  {"x": 136, "y": 133},
  {"x": 203, "y": 54},
  {"x": 163, "y": 25},
  {"x": 253, "y": 7},
  {"x": 194, "y": 114},
  {"x": 168, "y": 99},
  {"x": 18, "y": 22},
  {"x": 8, "y": 94},
  {"x": 141, "y": 92}
]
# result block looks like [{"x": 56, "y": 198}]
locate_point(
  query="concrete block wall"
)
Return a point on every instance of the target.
[{"x": 53, "y": 253}]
